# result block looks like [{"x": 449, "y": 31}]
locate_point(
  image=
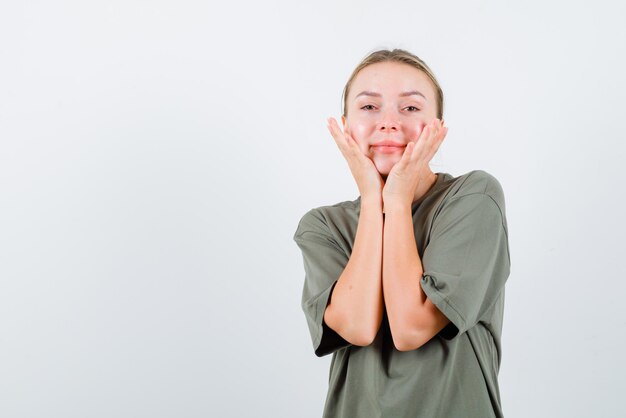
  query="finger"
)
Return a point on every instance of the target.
[
  {"x": 349, "y": 137},
  {"x": 434, "y": 140},
  {"x": 406, "y": 155},
  {"x": 343, "y": 137},
  {"x": 344, "y": 145},
  {"x": 428, "y": 140},
  {"x": 428, "y": 131},
  {"x": 332, "y": 126},
  {"x": 418, "y": 148},
  {"x": 442, "y": 136},
  {"x": 336, "y": 133},
  {"x": 436, "y": 128},
  {"x": 354, "y": 146},
  {"x": 425, "y": 132},
  {"x": 437, "y": 143},
  {"x": 422, "y": 141},
  {"x": 357, "y": 153},
  {"x": 351, "y": 148}
]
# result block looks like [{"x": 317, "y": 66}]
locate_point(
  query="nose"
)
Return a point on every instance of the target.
[{"x": 388, "y": 122}]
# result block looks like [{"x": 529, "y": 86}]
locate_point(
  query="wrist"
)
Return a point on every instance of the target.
[
  {"x": 393, "y": 197},
  {"x": 397, "y": 206},
  {"x": 371, "y": 202}
]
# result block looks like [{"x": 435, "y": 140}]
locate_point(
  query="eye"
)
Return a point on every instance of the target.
[
  {"x": 409, "y": 107},
  {"x": 364, "y": 107}
]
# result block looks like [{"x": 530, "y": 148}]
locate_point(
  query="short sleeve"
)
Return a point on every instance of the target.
[
  {"x": 324, "y": 261},
  {"x": 466, "y": 261}
]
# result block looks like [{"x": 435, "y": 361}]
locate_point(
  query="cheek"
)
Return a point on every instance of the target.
[
  {"x": 416, "y": 130},
  {"x": 360, "y": 132}
]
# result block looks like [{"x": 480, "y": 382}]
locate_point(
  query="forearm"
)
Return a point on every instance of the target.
[
  {"x": 401, "y": 272},
  {"x": 356, "y": 306}
]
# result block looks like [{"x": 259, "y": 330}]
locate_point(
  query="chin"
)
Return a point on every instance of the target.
[{"x": 384, "y": 167}]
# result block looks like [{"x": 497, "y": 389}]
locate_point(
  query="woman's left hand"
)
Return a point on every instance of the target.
[{"x": 405, "y": 176}]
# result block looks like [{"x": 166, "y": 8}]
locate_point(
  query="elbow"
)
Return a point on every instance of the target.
[
  {"x": 408, "y": 341},
  {"x": 352, "y": 329},
  {"x": 366, "y": 332},
  {"x": 360, "y": 341},
  {"x": 357, "y": 334},
  {"x": 406, "y": 345},
  {"x": 364, "y": 337}
]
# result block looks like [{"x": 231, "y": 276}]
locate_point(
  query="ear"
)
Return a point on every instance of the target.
[{"x": 343, "y": 122}]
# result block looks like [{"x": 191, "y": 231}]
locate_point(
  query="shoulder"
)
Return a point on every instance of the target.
[
  {"x": 477, "y": 190},
  {"x": 323, "y": 219},
  {"x": 477, "y": 182}
]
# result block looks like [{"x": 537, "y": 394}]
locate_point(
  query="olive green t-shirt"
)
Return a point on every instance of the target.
[{"x": 462, "y": 239}]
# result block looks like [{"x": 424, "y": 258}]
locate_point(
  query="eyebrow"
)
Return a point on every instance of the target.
[{"x": 404, "y": 94}]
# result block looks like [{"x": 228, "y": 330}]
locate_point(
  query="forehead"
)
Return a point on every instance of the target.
[{"x": 391, "y": 79}]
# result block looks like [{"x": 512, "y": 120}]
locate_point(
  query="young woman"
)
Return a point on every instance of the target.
[{"x": 405, "y": 284}]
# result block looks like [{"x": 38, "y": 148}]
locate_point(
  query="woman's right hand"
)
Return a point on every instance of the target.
[{"x": 367, "y": 177}]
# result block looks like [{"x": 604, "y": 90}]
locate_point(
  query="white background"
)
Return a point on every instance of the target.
[{"x": 156, "y": 157}]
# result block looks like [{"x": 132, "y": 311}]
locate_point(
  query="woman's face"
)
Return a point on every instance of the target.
[{"x": 388, "y": 101}]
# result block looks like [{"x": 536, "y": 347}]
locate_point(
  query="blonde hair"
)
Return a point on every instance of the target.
[{"x": 396, "y": 55}]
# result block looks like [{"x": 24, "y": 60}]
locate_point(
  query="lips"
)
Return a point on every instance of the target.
[
  {"x": 388, "y": 143},
  {"x": 388, "y": 147}
]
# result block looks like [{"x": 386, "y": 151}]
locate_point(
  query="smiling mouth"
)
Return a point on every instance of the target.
[{"x": 387, "y": 149}]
